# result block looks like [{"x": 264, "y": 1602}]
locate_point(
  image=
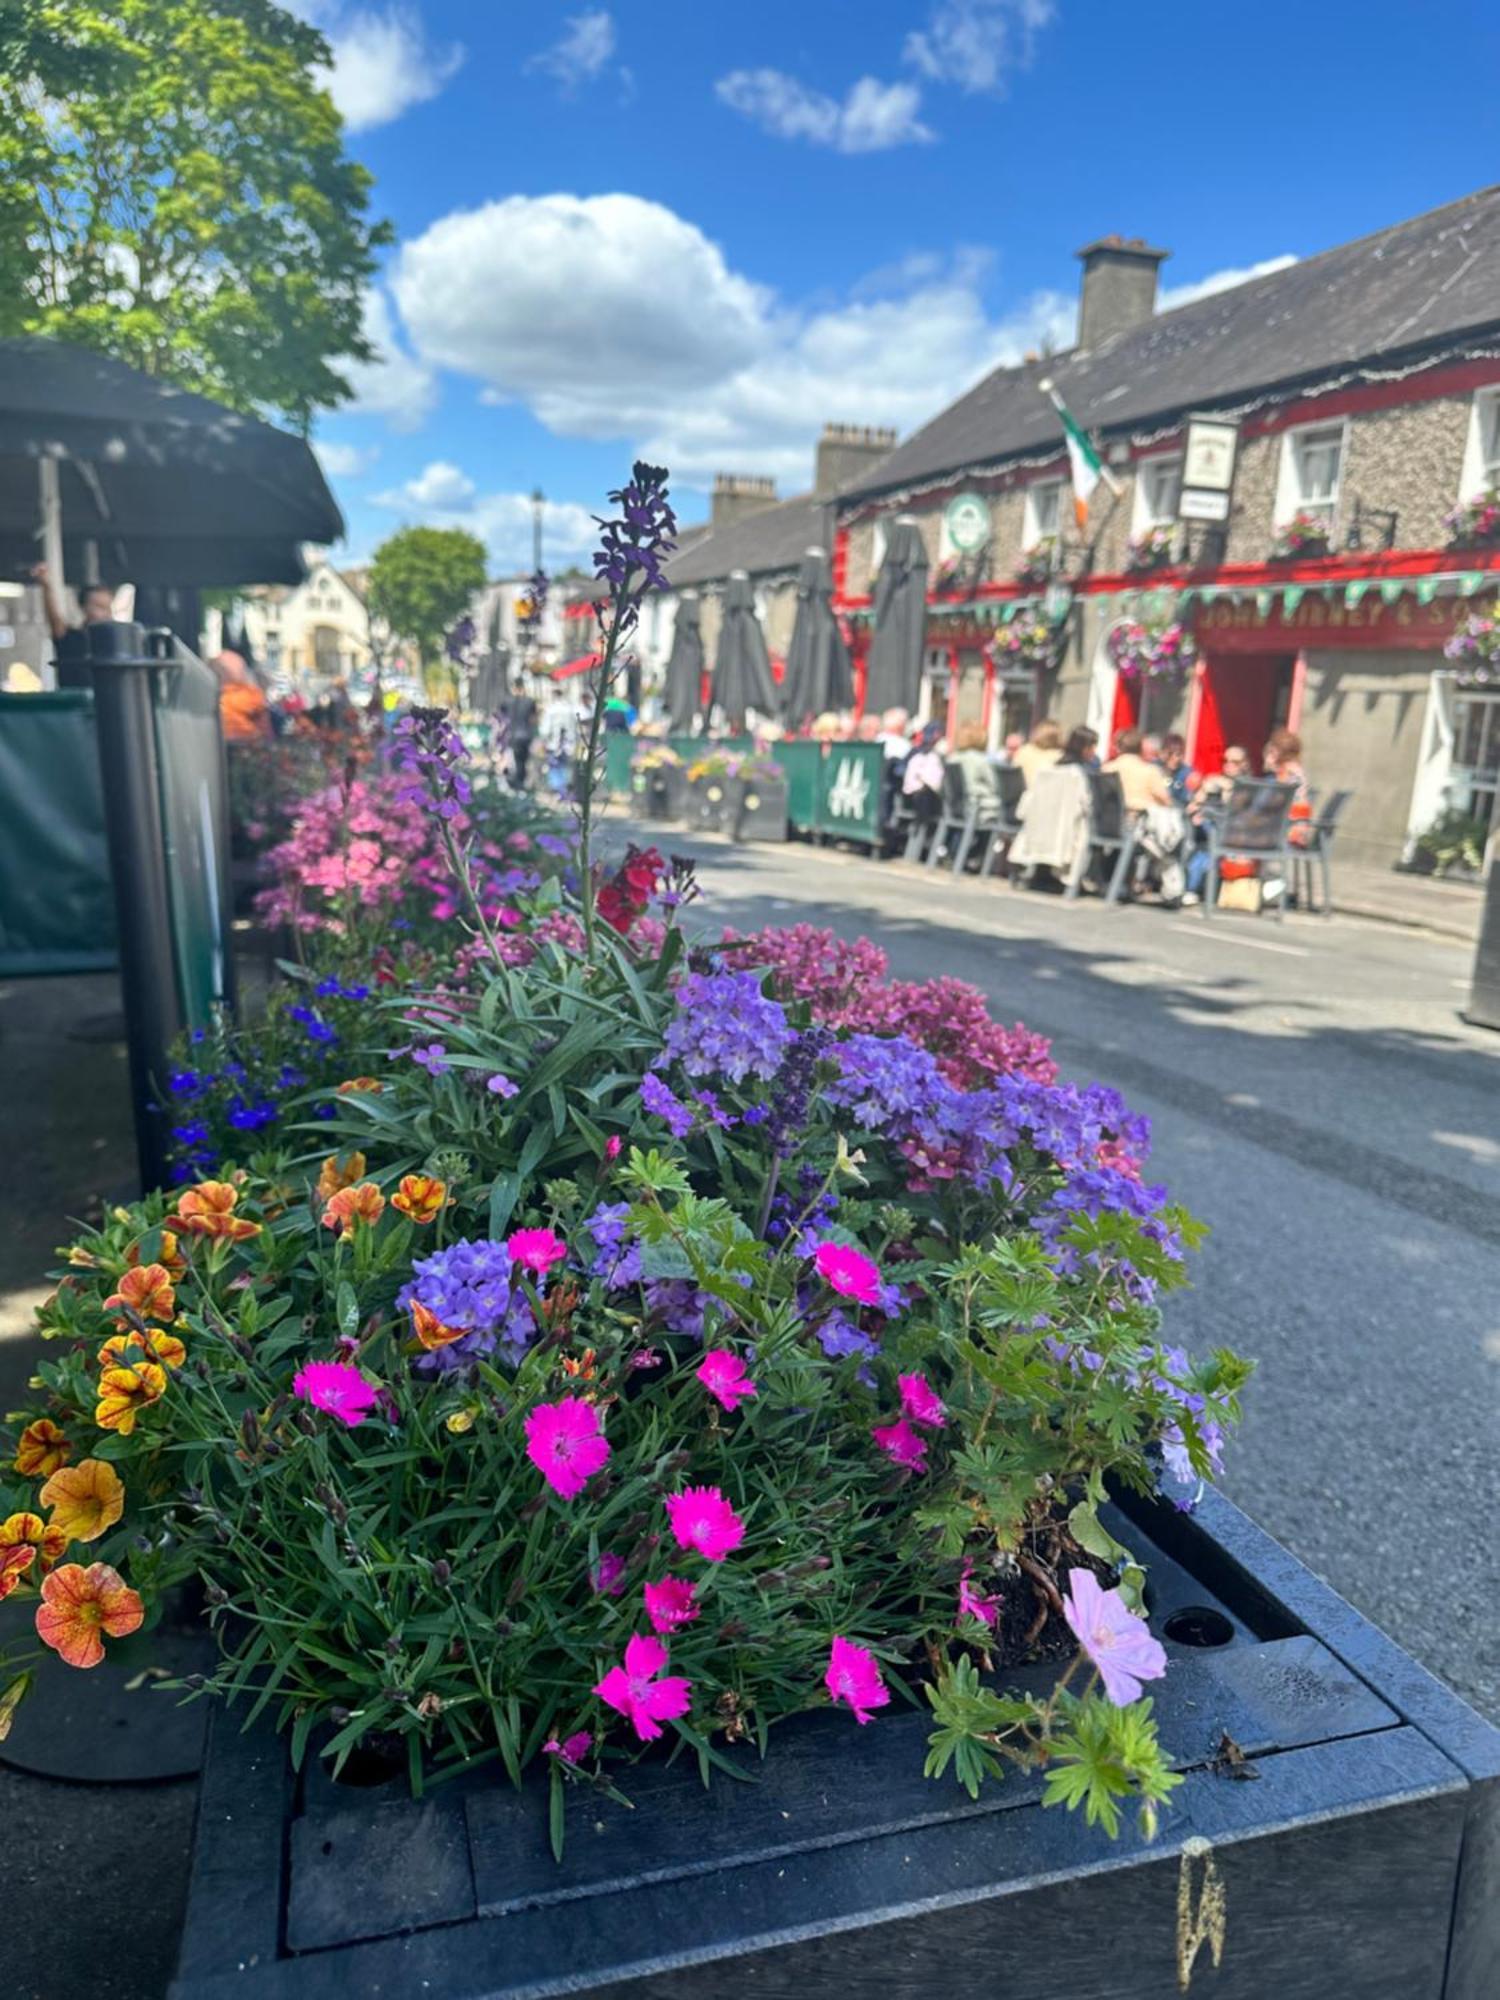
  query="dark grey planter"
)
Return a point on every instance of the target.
[
  {"x": 662, "y": 792},
  {"x": 1355, "y": 1855},
  {"x": 709, "y": 801},
  {"x": 760, "y": 808}
]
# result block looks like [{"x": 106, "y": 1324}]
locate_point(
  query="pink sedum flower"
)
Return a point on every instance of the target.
[
  {"x": 572, "y": 1749},
  {"x": 1117, "y": 1642},
  {"x": 702, "y": 1519},
  {"x": 671, "y": 1603},
  {"x": 848, "y": 1272},
  {"x": 634, "y": 1691},
  {"x": 723, "y": 1375},
  {"x": 336, "y": 1388},
  {"x": 537, "y": 1249},
  {"x": 565, "y": 1444},
  {"x": 853, "y": 1677},
  {"x": 921, "y": 1402},
  {"x": 900, "y": 1442},
  {"x": 974, "y": 1603}
]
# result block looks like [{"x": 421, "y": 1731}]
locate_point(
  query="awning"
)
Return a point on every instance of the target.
[{"x": 582, "y": 665}]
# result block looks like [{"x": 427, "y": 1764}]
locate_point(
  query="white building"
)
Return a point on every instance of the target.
[{"x": 315, "y": 632}]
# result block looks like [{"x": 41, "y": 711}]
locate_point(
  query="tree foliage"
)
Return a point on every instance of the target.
[
  {"x": 174, "y": 190},
  {"x": 421, "y": 581}
]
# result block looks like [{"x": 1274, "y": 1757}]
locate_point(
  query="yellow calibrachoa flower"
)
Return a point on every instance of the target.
[
  {"x": 14, "y": 1563},
  {"x": 168, "y": 1256},
  {"x": 208, "y": 1210},
  {"x": 81, "y": 1259},
  {"x": 357, "y": 1084},
  {"x": 339, "y": 1170},
  {"x": 353, "y": 1205},
  {"x": 80, "y": 1606},
  {"x": 125, "y": 1392},
  {"x": 430, "y": 1331},
  {"x": 41, "y": 1449},
  {"x": 164, "y": 1347},
  {"x": 30, "y": 1531},
  {"x": 84, "y": 1499},
  {"x": 147, "y": 1290},
  {"x": 420, "y": 1196}
]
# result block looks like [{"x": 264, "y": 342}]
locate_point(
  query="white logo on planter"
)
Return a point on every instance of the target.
[{"x": 849, "y": 793}]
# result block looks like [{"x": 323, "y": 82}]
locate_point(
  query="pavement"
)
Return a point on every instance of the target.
[
  {"x": 1315, "y": 1096},
  {"x": 1448, "y": 907}
]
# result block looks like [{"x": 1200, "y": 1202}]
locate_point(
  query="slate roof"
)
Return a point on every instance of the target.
[
  {"x": 1405, "y": 290},
  {"x": 771, "y": 539}
]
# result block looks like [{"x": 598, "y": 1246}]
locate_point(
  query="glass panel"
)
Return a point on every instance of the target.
[
  {"x": 1489, "y": 436},
  {"x": 1318, "y": 461},
  {"x": 1162, "y": 491},
  {"x": 1044, "y": 501}
]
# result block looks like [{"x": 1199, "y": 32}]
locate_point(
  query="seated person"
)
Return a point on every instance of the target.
[
  {"x": 1044, "y": 747},
  {"x": 980, "y": 787},
  {"x": 1142, "y": 783}
]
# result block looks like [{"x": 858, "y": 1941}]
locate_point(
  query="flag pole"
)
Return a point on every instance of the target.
[{"x": 1049, "y": 390}]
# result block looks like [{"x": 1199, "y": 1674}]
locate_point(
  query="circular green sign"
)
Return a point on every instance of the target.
[{"x": 967, "y": 520}]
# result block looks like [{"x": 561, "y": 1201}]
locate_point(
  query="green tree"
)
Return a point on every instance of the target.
[
  {"x": 421, "y": 583},
  {"x": 174, "y": 190}
]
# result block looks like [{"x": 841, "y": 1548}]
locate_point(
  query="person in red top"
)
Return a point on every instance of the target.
[{"x": 244, "y": 712}]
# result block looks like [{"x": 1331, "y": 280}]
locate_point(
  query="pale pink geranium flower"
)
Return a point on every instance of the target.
[
  {"x": 723, "y": 1375},
  {"x": 670, "y": 1603},
  {"x": 900, "y": 1442},
  {"x": 537, "y": 1249},
  {"x": 854, "y": 1677},
  {"x": 921, "y": 1402},
  {"x": 634, "y": 1691},
  {"x": 848, "y": 1272},
  {"x": 1114, "y": 1638},
  {"x": 702, "y": 1519},
  {"x": 565, "y": 1444},
  {"x": 974, "y": 1603},
  {"x": 337, "y": 1388}
]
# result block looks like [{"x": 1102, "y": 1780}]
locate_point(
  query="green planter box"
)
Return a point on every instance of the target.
[{"x": 760, "y": 808}]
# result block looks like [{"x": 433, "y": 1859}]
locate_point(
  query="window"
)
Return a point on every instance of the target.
[
  {"x": 1482, "y": 446},
  {"x": 1158, "y": 483},
  {"x": 1043, "y": 505},
  {"x": 1311, "y": 463}
]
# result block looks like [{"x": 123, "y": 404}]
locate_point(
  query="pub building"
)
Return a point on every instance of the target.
[{"x": 1285, "y": 472}]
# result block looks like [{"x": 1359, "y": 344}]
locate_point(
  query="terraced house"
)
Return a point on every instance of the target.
[{"x": 1336, "y": 418}]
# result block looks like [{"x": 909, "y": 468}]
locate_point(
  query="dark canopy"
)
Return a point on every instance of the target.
[
  {"x": 170, "y": 487},
  {"x": 682, "y": 689},
  {"x": 742, "y": 666},
  {"x": 893, "y": 678},
  {"x": 818, "y": 674}
]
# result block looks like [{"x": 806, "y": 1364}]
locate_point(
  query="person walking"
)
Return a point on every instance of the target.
[{"x": 521, "y": 726}]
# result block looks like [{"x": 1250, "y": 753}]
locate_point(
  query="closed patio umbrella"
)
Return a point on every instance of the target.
[
  {"x": 818, "y": 674},
  {"x": 893, "y": 678},
  {"x": 682, "y": 690},
  {"x": 742, "y": 666}
]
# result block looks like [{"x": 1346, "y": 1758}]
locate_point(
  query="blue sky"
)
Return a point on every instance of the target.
[{"x": 698, "y": 231}]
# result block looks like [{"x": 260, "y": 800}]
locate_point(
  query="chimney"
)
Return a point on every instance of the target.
[
  {"x": 1119, "y": 287},
  {"x": 845, "y": 451},
  {"x": 737, "y": 494}
]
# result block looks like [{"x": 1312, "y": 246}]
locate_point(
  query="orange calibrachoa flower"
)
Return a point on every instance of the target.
[
  {"x": 163, "y": 1347},
  {"x": 30, "y": 1531},
  {"x": 353, "y": 1205},
  {"x": 420, "y": 1196},
  {"x": 208, "y": 1210},
  {"x": 430, "y": 1330},
  {"x": 339, "y": 1170},
  {"x": 361, "y": 1083},
  {"x": 41, "y": 1449},
  {"x": 84, "y": 1499},
  {"x": 147, "y": 1290},
  {"x": 168, "y": 1256},
  {"x": 14, "y": 1563},
  {"x": 79, "y": 1606},
  {"x": 125, "y": 1392}
]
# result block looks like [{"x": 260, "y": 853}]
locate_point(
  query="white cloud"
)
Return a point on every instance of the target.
[
  {"x": 1218, "y": 281},
  {"x": 345, "y": 461},
  {"x": 582, "y": 52},
  {"x": 444, "y": 496},
  {"x": 440, "y": 487},
  {"x": 383, "y": 63},
  {"x": 396, "y": 384},
  {"x": 975, "y": 44},
  {"x": 873, "y": 116}
]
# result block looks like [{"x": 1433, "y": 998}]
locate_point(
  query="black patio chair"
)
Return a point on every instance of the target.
[
  {"x": 1112, "y": 830},
  {"x": 1255, "y": 826},
  {"x": 1313, "y": 841},
  {"x": 1011, "y": 780},
  {"x": 953, "y": 815}
]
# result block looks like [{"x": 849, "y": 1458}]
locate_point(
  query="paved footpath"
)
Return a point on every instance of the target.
[{"x": 1317, "y": 1099}]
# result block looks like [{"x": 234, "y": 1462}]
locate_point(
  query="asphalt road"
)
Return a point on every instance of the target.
[{"x": 1316, "y": 1098}]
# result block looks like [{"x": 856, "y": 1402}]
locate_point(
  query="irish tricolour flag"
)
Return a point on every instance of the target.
[{"x": 1085, "y": 465}]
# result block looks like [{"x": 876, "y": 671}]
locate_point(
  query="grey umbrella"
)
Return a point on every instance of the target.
[
  {"x": 893, "y": 677},
  {"x": 818, "y": 673},
  {"x": 683, "y": 687},
  {"x": 742, "y": 666}
]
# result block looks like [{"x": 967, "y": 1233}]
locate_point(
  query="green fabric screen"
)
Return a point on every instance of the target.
[{"x": 57, "y": 906}]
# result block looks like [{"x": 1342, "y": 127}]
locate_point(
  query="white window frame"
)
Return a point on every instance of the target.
[
  {"x": 1033, "y": 530},
  {"x": 1481, "y": 468},
  {"x": 1290, "y": 497},
  {"x": 1147, "y": 472}
]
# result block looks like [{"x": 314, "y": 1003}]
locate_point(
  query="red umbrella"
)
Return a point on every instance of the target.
[{"x": 581, "y": 665}]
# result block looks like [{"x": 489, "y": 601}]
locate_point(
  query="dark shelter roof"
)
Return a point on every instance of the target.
[
  {"x": 172, "y": 487},
  {"x": 772, "y": 538},
  {"x": 1402, "y": 291}
]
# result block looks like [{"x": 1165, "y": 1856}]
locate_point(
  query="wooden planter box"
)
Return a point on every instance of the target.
[
  {"x": 760, "y": 808},
  {"x": 1361, "y": 1861},
  {"x": 710, "y": 802},
  {"x": 661, "y": 793}
]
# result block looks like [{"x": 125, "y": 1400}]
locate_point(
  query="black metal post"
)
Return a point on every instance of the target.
[
  {"x": 137, "y": 854},
  {"x": 1484, "y": 994}
]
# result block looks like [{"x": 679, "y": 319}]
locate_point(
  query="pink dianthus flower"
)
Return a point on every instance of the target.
[
  {"x": 565, "y": 1444},
  {"x": 854, "y": 1677},
  {"x": 634, "y": 1691},
  {"x": 702, "y": 1519}
]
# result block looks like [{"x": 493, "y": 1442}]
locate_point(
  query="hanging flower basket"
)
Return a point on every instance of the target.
[
  {"x": 1029, "y": 643},
  {"x": 1038, "y": 564},
  {"x": 1475, "y": 651},
  {"x": 1305, "y": 534},
  {"x": 1475, "y": 524},
  {"x": 1145, "y": 652},
  {"x": 1153, "y": 548}
]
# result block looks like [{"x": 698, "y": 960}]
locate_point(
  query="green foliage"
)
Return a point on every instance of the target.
[
  {"x": 421, "y": 582},
  {"x": 1103, "y": 1754},
  {"x": 174, "y": 191},
  {"x": 1455, "y": 837}
]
